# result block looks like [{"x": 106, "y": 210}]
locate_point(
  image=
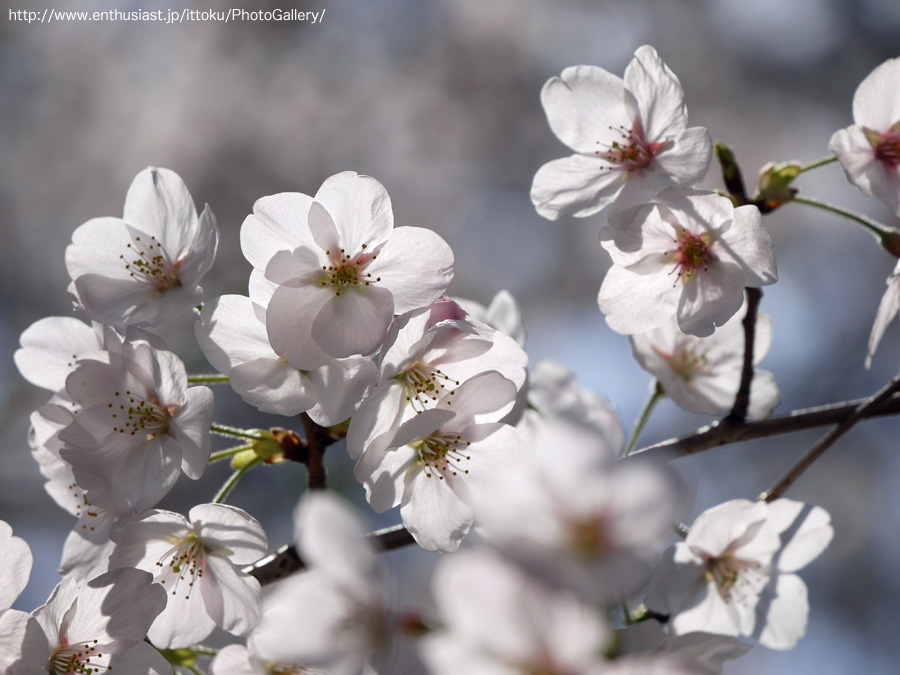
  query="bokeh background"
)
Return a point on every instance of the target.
[{"x": 439, "y": 100}]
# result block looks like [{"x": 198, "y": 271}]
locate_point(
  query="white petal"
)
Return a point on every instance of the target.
[
  {"x": 50, "y": 348},
  {"x": 158, "y": 203},
  {"x": 750, "y": 245},
  {"x": 278, "y": 223},
  {"x": 433, "y": 513},
  {"x": 876, "y": 103},
  {"x": 686, "y": 160},
  {"x": 238, "y": 534},
  {"x": 887, "y": 310},
  {"x": 577, "y": 185},
  {"x": 634, "y": 303},
  {"x": 360, "y": 208},
  {"x": 354, "y": 322},
  {"x": 340, "y": 386},
  {"x": 782, "y": 613},
  {"x": 805, "y": 532},
  {"x": 710, "y": 298},
  {"x": 189, "y": 428},
  {"x": 241, "y": 604},
  {"x": 15, "y": 561},
  {"x": 658, "y": 94},
  {"x": 288, "y": 325}
]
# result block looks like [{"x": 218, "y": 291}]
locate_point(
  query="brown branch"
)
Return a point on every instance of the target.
[
  {"x": 738, "y": 413},
  {"x": 285, "y": 561},
  {"x": 722, "y": 433},
  {"x": 873, "y": 403},
  {"x": 318, "y": 438}
]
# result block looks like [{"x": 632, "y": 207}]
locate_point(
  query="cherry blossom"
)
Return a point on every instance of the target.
[
  {"x": 138, "y": 427},
  {"x": 704, "y": 374},
  {"x": 98, "y": 626},
  {"x": 232, "y": 333},
  {"x": 869, "y": 149},
  {"x": 688, "y": 254},
  {"x": 630, "y": 138},
  {"x": 575, "y": 517},
  {"x": 337, "y": 616},
  {"x": 428, "y": 465},
  {"x": 16, "y": 631},
  {"x": 734, "y": 572},
  {"x": 887, "y": 310},
  {"x": 340, "y": 266},
  {"x": 427, "y": 354},
  {"x": 498, "y": 621},
  {"x": 145, "y": 267},
  {"x": 195, "y": 560}
]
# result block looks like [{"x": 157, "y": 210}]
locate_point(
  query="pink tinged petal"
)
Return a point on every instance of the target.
[
  {"x": 887, "y": 310},
  {"x": 634, "y": 303},
  {"x": 710, "y": 298},
  {"x": 329, "y": 534},
  {"x": 687, "y": 158},
  {"x": 241, "y": 603},
  {"x": 288, "y": 324},
  {"x": 433, "y": 513},
  {"x": 658, "y": 94},
  {"x": 278, "y": 223},
  {"x": 360, "y": 208},
  {"x": 339, "y": 387},
  {"x": 415, "y": 265},
  {"x": 805, "y": 532},
  {"x": 273, "y": 386},
  {"x": 231, "y": 532},
  {"x": 577, "y": 185},
  {"x": 782, "y": 613},
  {"x": 15, "y": 561},
  {"x": 876, "y": 103},
  {"x": 750, "y": 245},
  {"x": 354, "y": 322},
  {"x": 583, "y": 105},
  {"x": 189, "y": 428},
  {"x": 50, "y": 348}
]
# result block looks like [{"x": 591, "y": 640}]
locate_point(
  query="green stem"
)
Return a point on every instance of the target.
[
  {"x": 873, "y": 226},
  {"x": 212, "y": 378},
  {"x": 194, "y": 670},
  {"x": 224, "y": 430},
  {"x": 229, "y": 452},
  {"x": 657, "y": 394},
  {"x": 233, "y": 480},
  {"x": 817, "y": 163},
  {"x": 204, "y": 651}
]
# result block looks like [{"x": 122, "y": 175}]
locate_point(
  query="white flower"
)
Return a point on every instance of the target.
[
  {"x": 688, "y": 254},
  {"x": 232, "y": 334},
  {"x": 733, "y": 573},
  {"x": 341, "y": 267},
  {"x": 428, "y": 353},
  {"x": 195, "y": 561},
  {"x": 887, "y": 310},
  {"x": 139, "y": 425},
  {"x": 503, "y": 314},
  {"x": 575, "y": 517},
  {"x": 498, "y": 621},
  {"x": 143, "y": 268},
  {"x": 869, "y": 149},
  {"x": 429, "y": 464},
  {"x": 704, "y": 374},
  {"x": 98, "y": 626},
  {"x": 338, "y": 615},
  {"x": 631, "y": 138}
]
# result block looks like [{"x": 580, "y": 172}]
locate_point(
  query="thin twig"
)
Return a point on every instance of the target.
[
  {"x": 872, "y": 403},
  {"x": 817, "y": 163},
  {"x": 315, "y": 447},
  {"x": 742, "y": 401}
]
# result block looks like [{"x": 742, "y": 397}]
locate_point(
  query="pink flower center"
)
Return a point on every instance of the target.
[
  {"x": 631, "y": 152},
  {"x": 691, "y": 254},
  {"x": 346, "y": 271},
  {"x": 81, "y": 658},
  {"x": 888, "y": 149}
]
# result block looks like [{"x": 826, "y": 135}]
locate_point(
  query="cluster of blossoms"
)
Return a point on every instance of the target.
[{"x": 347, "y": 324}]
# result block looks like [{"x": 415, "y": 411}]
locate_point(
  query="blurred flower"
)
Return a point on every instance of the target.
[
  {"x": 688, "y": 254},
  {"x": 631, "y": 138},
  {"x": 144, "y": 268},
  {"x": 869, "y": 149},
  {"x": 704, "y": 374}
]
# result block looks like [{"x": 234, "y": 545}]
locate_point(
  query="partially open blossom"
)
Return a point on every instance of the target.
[
  {"x": 630, "y": 137},
  {"x": 869, "y": 149},
  {"x": 734, "y": 572},
  {"x": 145, "y": 267},
  {"x": 195, "y": 561},
  {"x": 704, "y": 374},
  {"x": 139, "y": 425},
  {"x": 688, "y": 254},
  {"x": 341, "y": 267}
]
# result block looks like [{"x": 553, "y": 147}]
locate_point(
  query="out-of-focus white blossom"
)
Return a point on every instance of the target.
[
  {"x": 145, "y": 267},
  {"x": 630, "y": 137}
]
